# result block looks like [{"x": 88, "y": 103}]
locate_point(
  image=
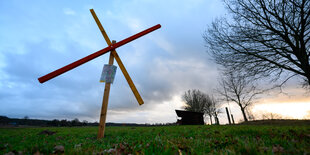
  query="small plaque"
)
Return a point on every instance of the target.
[{"x": 108, "y": 73}]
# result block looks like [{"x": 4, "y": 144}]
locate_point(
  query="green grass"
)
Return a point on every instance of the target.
[{"x": 206, "y": 139}]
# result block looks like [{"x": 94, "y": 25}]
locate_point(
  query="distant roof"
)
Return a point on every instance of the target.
[{"x": 182, "y": 113}]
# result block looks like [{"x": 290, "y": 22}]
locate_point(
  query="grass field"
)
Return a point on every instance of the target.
[{"x": 238, "y": 139}]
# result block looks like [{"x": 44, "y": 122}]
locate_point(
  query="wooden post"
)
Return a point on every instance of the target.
[
  {"x": 105, "y": 101},
  {"x": 232, "y": 118},
  {"x": 228, "y": 115}
]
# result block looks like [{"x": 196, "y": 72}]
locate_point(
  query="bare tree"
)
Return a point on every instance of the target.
[
  {"x": 263, "y": 38},
  {"x": 209, "y": 108},
  {"x": 270, "y": 115},
  {"x": 195, "y": 100},
  {"x": 237, "y": 88},
  {"x": 212, "y": 109},
  {"x": 250, "y": 114},
  {"x": 198, "y": 101}
]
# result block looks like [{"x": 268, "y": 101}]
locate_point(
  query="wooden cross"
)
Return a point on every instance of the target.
[{"x": 113, "y": 54}]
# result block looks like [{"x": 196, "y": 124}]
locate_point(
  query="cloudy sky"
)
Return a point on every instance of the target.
[{"x": 37, "y": 37}]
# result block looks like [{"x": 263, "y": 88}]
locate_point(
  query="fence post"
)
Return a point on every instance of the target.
[
  {"x": 228, "y": 115},
  {"x": 232, "y": 118}
]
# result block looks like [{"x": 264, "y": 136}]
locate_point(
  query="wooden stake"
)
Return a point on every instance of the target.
[
  {"x": 227, "y": 115},
  {"x": 105, "y": 101},
  {"x": 232, "y": 118}
]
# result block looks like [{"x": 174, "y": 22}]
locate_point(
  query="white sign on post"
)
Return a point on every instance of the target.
[{"x": 108, "y": 73}]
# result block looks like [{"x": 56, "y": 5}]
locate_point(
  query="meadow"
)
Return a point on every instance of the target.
[{"x": 194, "y": 139}]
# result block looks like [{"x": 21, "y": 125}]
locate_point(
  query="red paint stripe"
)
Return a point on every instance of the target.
[{"x": 95, "y": 55}]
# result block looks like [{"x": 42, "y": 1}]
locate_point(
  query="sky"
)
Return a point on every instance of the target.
[{"x": 40, "y": 36}]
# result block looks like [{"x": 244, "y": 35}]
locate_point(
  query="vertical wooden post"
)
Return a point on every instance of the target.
[
  {"x": 105, "y": 101},
  {"x": 228, "y": 115},
  {"x": 232, "y": 118}
]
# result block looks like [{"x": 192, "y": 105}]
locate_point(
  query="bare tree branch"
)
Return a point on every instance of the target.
[
  {"x": 263, "y": 38},
  {"x": 239, "y": 89}
]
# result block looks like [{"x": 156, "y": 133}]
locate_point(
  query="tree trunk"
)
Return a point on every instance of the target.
[
  {"x": 210, "y": 118},
  {"x": 216, "y": 119},
  {"x": 244, "y": 115}
]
